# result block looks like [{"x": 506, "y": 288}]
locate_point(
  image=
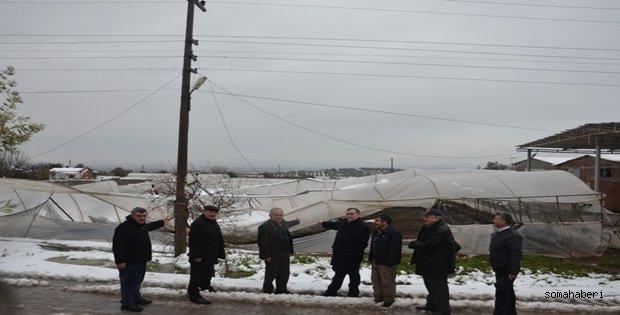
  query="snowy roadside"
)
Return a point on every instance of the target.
[{"x": 24, "y": 262}]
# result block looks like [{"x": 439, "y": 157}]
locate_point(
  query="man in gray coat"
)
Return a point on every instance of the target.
[{"x": 275, "y": 246}]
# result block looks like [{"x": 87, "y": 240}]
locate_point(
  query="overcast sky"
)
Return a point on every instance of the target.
[{"x": 310, "y": 84}]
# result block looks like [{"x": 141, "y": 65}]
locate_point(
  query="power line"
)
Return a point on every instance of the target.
[
  {"x": 354, "y": 46},
  {"x": 319, "y": 60},
  {"x": 408, "y": 42},
  {"x": 345, "y": 141},
  {"x": 106, "y": 121},
  {"x": 339, "y": 39},
  {"x": 537, "y": 5},
  {"x": 404, "y": 56},
  {"x": 408, "y": 49},
  {"x": 416, "y": 64},
  {"x": 414, "y": 77},
  {"x": 91, "y": 2},
  {"x": 304, "y": 53},
  {"x": 378, "y": 75},
  {"x": 232, "y": 141},
  {"x": 385, "y": 112},
  {"x": 91, "y": 91},
  {"x": 86, "y": 57},
  {"x": 96, "y": 69},
  {"x": 230, "y": 138},
  {"x": 93, "y": 42},
  {"x": 414, "y": 11},
  {"x": 320, "y": 7}
]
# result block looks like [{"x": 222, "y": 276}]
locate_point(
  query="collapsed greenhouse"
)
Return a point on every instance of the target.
[{"x": 558, "y": 214}]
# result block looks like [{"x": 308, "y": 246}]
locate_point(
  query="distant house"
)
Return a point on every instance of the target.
[
  {"x": 541, "y": 163},
  {"x": 71, "y": 173},
  {"x": 583, "y": 167}
]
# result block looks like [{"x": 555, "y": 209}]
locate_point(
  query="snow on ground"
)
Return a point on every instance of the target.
[{"x": 26, "y": 262}]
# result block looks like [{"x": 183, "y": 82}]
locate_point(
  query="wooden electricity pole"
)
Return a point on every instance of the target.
[{"x": 180, "y": 204}]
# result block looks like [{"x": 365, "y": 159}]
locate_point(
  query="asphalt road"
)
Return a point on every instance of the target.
[{"x": 56, "y": 300}]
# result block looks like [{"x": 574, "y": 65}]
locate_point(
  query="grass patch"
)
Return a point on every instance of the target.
[
  {"x": 534, "y": 263},
  {"x": 303, "y": 260},
  {"x": 152, "y": 266},
  {"x": 236, "y": 274}
]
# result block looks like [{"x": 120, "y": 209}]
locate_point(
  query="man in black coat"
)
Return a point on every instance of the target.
[
  {"x": 131, "y": 246},
  {"x": 275, "y": 246},
  {"x": 385, "y": 252},
  {"x": 206, "y": 245},
  {"x": 347, "y": 251},
  {"x": 434, "y": 257},
  {"x": 505, "y": 255}
]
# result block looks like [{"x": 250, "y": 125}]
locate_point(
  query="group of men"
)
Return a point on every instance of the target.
[{"x": 434, "y": 256}]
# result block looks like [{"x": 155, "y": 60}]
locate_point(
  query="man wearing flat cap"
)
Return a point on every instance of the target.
[
  {"x": 131, "y": 246},
  {"x": 434, "y": 256},
  {"x": 505, "y": 252},
  {"x": 206, "y": 245}
]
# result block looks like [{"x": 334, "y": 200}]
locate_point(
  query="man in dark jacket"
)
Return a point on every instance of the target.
[
  {"x": 385, "y": 253},
  {"x": 505, "y": 256},
  {"x": 131, "y": 246},
  {"x": 434, "y": 256},
  {"x": 275, "y": 246},
  {"x": 347, "y": 251},
  {"x": 206, "y": 245}
]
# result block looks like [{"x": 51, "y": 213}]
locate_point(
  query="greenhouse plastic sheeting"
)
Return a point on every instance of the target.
[{"x": 551, "y": 239}]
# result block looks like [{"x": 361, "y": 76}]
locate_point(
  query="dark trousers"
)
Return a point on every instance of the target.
[
  {"x": 278, "y": 269},
  {"x": 354, "y": 280},
  {"x": 505, "y": 299},
  {"x": 199, "y": 277},
  {"x": 438, "y": 298},
  {"x": 131, "y": 279}
]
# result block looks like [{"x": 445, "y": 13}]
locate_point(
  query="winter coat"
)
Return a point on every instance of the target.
[
  {"x": 131, "y": 242},
  {"x": 386, "y": 246},
  {"x": 505, "y": 252},
  {"x": 274, "y": 240},
  {"x": 351, "y": 240},
  {"x": 206, "y": 241},
  {"x": 434, "y": 250}
]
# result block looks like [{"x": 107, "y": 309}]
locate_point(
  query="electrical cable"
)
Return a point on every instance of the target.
[
  {"x": 415, "y": 77},
  {"x": 106, "y": 121},
  {"x": 375, "y": 111},
  {"x": 349, "y": 142}
]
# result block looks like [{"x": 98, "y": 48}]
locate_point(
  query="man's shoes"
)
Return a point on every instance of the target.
[
  {"x": 143, "y": 301},
  {"x": 387, "y": 304},
  {"x": 329, "y": 293},
  {"x": 353, "y": 294},
  {"x": 283, "y": 292},
  {"x": 200, "y": 300},
  {"x": 208, "y": 288},
  {"x": 131, "y": 308},
  {"x": 423, "y": 308},
  {"x": 267, "y": 291}
]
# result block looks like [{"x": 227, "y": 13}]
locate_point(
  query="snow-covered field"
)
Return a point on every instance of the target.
[{"x": 32, "y": 262}]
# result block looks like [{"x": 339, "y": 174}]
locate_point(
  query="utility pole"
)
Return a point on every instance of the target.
[{"x": 180, "y": 204}]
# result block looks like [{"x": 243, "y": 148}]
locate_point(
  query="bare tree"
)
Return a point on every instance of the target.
[{"x": 12, "y": 163}]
